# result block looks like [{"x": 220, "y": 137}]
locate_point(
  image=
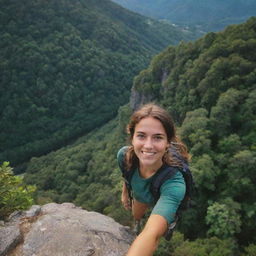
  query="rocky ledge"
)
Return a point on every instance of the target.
[{"x": 62, "y": 230}]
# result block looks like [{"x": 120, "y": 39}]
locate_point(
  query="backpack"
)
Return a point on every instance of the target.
[{"x": 164, "y": 173}]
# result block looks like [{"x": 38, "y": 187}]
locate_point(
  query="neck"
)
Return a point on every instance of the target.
[{"x": 148, "y": 171}]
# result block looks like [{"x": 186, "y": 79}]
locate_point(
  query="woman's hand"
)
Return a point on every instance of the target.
[
  {"x": 147, "y": 241},
  {"x": 126, "y": 202}
]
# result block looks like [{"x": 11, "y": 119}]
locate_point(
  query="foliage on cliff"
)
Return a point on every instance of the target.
[
  {"x": 14, "y": 194},
  {"x": 66, "y": 67}
]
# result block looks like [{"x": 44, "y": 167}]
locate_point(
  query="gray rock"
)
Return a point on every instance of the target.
[
  {"x": 33, "y": 211},
  {"x": 15, "y": 216},
  {"x": 67, "y": 230},
  {"x": 10, "y": 236},
  {"x": 139, "y": 98}
]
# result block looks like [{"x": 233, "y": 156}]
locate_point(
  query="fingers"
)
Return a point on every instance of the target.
[{"x": 126, "y": 204}]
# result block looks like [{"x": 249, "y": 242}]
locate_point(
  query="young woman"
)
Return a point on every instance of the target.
[{"x": 152, "y": 133}]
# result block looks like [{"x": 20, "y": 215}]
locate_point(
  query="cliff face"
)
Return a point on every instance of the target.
[
  {"x": 141, "y": 97},
  {"x": 138, "y": 98},
  {"x": 63, "y": 229}
]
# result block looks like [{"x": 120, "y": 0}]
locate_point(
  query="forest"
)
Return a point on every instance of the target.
[
  {"x": 207, "y": 85},
  {"x": 66, "y": 67}
]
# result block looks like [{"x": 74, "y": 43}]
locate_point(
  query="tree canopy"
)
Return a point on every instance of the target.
[{"x": 66, "y": 67}]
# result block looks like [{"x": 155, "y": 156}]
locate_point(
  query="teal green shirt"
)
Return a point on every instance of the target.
[{"x": 171, "y": 192}]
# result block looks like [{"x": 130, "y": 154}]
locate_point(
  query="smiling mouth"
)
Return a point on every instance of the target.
[{"x": 148, "y": 153}]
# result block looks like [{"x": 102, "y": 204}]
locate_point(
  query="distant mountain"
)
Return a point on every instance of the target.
[
  {"x": 66, "y": 67},
  {"x": 210, "y": 15}
]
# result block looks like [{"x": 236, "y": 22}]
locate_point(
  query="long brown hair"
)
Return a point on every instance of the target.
[{"x": 153, "y": 110}]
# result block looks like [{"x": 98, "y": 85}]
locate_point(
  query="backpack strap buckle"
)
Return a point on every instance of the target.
[{"x": 169, "y": 232}]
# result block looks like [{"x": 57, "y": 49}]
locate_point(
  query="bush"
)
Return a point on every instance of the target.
[
  {"x": 206, "y": 247},
  {"x": 14, "y": 194},
  {"x": 250, "y": 250}
]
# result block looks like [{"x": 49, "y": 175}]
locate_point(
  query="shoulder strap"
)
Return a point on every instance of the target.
[
  {"x": 127, "y": 175},
  {"x": 165, "y": 172},
  {"x": 186, "y": 172}
]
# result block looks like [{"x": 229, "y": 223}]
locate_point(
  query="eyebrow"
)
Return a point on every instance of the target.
[{"x": 157, "y": 134}]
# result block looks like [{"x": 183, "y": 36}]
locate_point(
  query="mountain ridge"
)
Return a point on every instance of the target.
[{"x": 208, "y": 15}]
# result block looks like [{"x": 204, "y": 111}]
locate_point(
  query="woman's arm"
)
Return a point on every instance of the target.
[
  {"x": 125, "y": 197},
  {"x": 172, "y": 192},
  {"x": 147, "y": 241}
]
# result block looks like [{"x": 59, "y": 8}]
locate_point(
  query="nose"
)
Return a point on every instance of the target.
[{"x": 148, "y": 143}]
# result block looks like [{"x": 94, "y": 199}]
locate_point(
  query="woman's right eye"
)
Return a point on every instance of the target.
[{"x": 140, "y": 136}]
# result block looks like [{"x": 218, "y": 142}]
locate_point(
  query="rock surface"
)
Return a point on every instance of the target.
[
  {"x": 63, "y": 230},
  {"x": 138, "y": 98}
]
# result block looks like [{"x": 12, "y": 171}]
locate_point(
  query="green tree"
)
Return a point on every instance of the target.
[
  {"x": 241, "y": 176},
  {"x": 230, "y": 144},
  {"x": 224, "y": 218},
  {"x": 195, "y": 131},
  {"x": 205, "y": 173},
  {"x": 14, "y": 194},
  {"x": 223, "y": 115},
  {"x": 206, "y": 247},
  {"x": 250, "y": 250}
]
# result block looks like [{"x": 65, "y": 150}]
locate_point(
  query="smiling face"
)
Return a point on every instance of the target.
[{"x": 150, "y": 143}]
